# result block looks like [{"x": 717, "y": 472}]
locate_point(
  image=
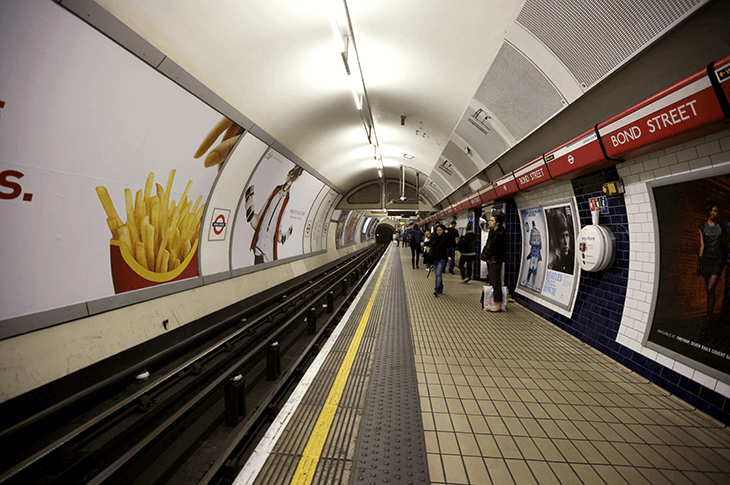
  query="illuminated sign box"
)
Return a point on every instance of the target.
[
  {"x": 506, "y": 186},
  {"x": 684, "y": 111},
  {"x": 722, "y": 75},
  {"x": 475, "y": 200},
  {"x": 577, "y": 157},
  {"x": 534, "y": 173}
]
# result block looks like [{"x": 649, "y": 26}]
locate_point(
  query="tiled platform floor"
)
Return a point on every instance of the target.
[{"x": 509, "y": 398}]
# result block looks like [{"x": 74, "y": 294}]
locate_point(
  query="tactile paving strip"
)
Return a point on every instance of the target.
[
  {"x": 392, "y": 447},
  {"x": 336, "y": 461}
]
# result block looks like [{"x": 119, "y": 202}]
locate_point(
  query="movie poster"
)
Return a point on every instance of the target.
[
  {"x": 534, "y": 247},
  {"x": 560, "y": 274},
  {"x": 692, "y": 305},
  {"x": 548, "y": 271}
]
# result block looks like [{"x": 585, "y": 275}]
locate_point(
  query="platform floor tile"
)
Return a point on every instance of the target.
[{"x": 510, "y": 398}]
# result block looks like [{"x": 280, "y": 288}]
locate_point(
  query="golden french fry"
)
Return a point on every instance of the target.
[
  {"x": 232, "y": 131},
  {"x": 212, "y": 136},
  {"x": 175, "y": 264},
  {"x": 155, "y": 221},
  {"x": 219, "y": 153},
  {"x": 140, "y": 210},
  {"x": 165, "y": 213},
  {"x": 197, "y": 203},
  {"x": 113, "y": 226},
  {"x": 125, "y": 239},
  {"x": 141, "y": 256},
  {"x": 150, "y": 244},
  {"x": 186, "y": 250},
  {"x": 108, "y": 205},
  {"x": 148, "y": 187},
  {"x": 164, "y": 263},
  {"x": 133, "y": 232}
]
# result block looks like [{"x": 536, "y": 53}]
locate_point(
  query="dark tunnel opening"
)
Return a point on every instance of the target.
[{"x": 384, "y": 233}]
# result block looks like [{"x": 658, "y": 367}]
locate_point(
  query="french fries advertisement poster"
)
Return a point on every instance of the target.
[{"x": 105, "y": 165}]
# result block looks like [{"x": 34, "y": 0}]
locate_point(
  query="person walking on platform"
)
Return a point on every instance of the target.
[
  {"x": 416, "y": 237},
  {"x": 438, "y": 250},
  {"x": 495, "y": 253},
  {"x": 452, "y": 238},
  {"x": 466, "y": 248}
]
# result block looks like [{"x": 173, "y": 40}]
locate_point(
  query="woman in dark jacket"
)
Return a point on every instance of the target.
[
  {"x": 495, "y": 253},
  {"x": 437, "y": 249}
]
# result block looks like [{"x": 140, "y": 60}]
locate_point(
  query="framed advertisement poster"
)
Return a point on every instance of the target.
[
  {"x": 548, "y": 272},
  {"x": 690, "y": 320}
]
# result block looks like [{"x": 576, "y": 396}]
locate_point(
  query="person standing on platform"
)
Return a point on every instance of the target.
[
  {"x": 416, "y": 237},
  {"x": 452, "y": 238},
  {"x": 438, "y": 250},
  {"x": 466, "y": 248},
  {"x": 495, "y": 253},
  {"x": 426, "y": 243}
]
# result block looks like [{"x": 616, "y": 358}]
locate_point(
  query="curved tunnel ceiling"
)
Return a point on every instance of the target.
[{"x": 472, "y": 78}]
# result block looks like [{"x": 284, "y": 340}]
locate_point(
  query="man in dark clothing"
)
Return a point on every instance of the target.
[
  {"x": 466, "y": 247},
  {"x": 452, "y": 237},
  {"x": 415, "y": 236}
]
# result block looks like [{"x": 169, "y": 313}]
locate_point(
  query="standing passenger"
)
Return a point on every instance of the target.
[
  {"x": 416, "y": 237},
  {"x": 495, "y": 253},
  {"x": 466, "y": 248},
  {"x": 424, "y": 244},
  {"x": 437, "y": 249}
]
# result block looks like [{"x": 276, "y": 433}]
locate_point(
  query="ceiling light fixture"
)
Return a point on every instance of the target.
[{"x": 343, "y": 42}]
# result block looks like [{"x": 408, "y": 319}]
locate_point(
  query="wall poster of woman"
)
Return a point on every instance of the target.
[{"x": 692, "y": 305}]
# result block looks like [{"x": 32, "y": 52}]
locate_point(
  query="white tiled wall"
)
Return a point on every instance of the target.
[
  {"x": 695, "y": 156},
  {"x": 557, "y": 191}
]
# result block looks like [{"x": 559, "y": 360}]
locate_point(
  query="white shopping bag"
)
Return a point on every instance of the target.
[{"x": 488, "y": 297}]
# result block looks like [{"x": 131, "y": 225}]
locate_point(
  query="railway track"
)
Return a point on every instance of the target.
[{"x": 208, "y": 402}]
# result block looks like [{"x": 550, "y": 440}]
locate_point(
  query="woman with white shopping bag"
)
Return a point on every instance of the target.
[{"x": 495, "y": 253}]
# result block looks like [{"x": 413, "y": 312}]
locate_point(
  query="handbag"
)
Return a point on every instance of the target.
[
  {"x": 488, "y": 298},
  {"x": 457, "y": 256}
]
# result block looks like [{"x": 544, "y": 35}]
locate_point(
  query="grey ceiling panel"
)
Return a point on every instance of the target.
[
  {"x": 481, "y": 137},
  {"x": 494, "y": 172},
  {"x": 458, "y": 158},
  {"x": 441, "y": 182},
  {"x": 593, "y": 37},
  {"x": 518, "y": 93},
  {"x": 369, "y": 194}
]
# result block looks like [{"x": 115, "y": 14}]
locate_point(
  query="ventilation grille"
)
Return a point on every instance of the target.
[
  {"x": 518, "y": 93},
  {"x": 593, "y": 37},
  {"x": 477, "y": 132}
]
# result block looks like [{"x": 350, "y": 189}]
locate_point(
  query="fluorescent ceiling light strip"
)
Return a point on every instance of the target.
[{"x": 339, "y": 41}]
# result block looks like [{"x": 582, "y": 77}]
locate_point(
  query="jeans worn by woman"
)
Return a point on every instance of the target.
[{"x": 439, "y": 266}]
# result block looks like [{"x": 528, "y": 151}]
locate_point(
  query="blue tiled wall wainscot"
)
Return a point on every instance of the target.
[{"x": 600, "y": 301}]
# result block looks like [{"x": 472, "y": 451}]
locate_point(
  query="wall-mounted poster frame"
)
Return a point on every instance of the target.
[
  {"x": 680, "y": 325},
  {"x": 548, "y": 273}
]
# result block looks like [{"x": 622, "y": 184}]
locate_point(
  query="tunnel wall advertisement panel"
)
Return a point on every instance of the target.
[
  {"x": 692, "y": 305},
  {"x": 91, "y": 140},
  {"x": 272, "y": 216},
  {"x": 548, "y": 271}
]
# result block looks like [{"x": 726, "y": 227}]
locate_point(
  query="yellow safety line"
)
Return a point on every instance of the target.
[{"x": 304, "y": 473}]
